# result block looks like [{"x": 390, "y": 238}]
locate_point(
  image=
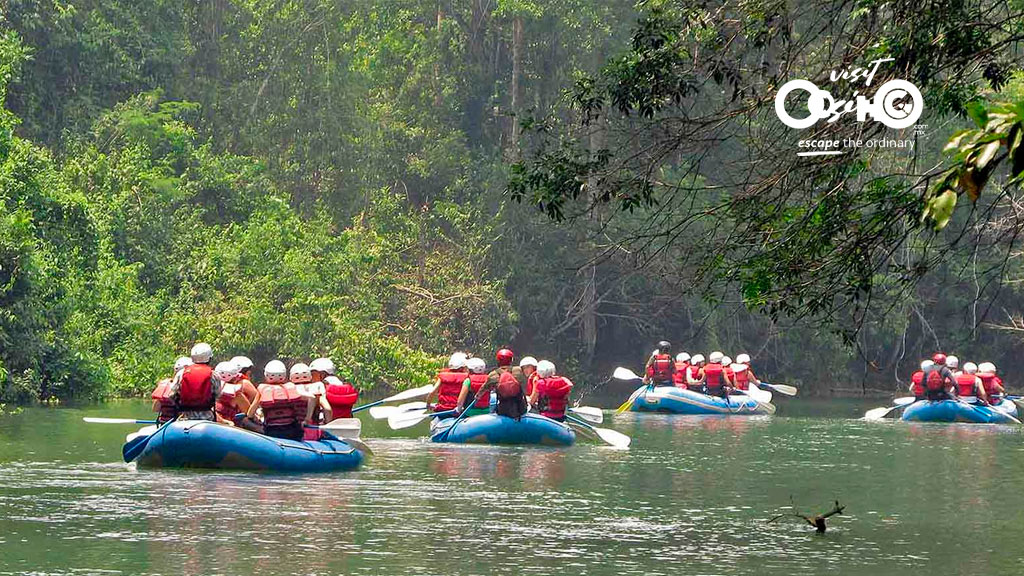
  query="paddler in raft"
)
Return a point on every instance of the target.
[
  {"x": 470, "y": 399},
  {"x": 448, "y": 385},
  {"x": 715, "y": 381},
  {"x": 992, "y": 384},
  {"x": 695, "y": 374},
  {"x": 969, "y": 387},
  {"x": 341, "y": 395},
  {"x": 938, "y": 379},
  {"x": 163, "y": 401},
  {"x": 232, "y": 400},
  {"x": 196, "y": 388},
  {"x": 529, "y": 367},
  {"x": 284, "y": 409},
  {"x": 660, "y": 366},
  {"x": 742, "y": 375},
  {"x": 244, "y": 378},
  {"x": 509, "y": 383},
  {"x": 551, "y": 392},
  {"x": 682, "y": 367}
]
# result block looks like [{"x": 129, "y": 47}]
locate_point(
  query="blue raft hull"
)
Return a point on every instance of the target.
[
  {"x": 494, "y": 429},
  {"x": 955, "y": 411},
  {"x": 678, "y": 401},
  {"x": 195, "y": 444}
]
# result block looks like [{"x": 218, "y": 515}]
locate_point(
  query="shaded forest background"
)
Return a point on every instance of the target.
[{"x": 302, "y": 178}]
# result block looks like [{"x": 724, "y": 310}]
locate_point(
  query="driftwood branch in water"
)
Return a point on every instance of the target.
[{"x": 817, "y": 521}]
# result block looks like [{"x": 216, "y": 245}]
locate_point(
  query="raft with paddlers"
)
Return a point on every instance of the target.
[
  {"x": 675, "y": 400},
  {"x": 958, "y": 411},
  {"x": 204, "y": 444},
  {"x": 493, "y": 429}
]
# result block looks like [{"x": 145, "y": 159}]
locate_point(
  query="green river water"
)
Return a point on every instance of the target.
[{"x": 691, "y": 496}]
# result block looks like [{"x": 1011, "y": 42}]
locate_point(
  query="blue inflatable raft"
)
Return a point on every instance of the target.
[
  {"x": 200, "y": 444},
  {"x": 679, "y": 401},
  {"x": 957, "y": 411},
  {"x": 494, "y": 429}
]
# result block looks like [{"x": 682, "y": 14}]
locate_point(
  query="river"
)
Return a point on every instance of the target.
[{"x": 691, "y": 496}]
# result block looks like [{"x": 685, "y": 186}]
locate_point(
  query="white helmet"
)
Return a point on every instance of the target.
[
  {"x": 181, "y": 362},
  {"x": 457, "y": 361},
  {"x": 545, "y": 369},
  {"x": 242, "y": 362},
  {"x": 528, "y": 361},
  {"x": 952, "y": 361},
  {"x": 726, "y": 361},
  {"x": 970, "y": 367},
  {"x": 716, "y": 357},
  {"x": 226, "y": 370},
  {"x": 742, "y": 359},
  {"x": 322, "y": 365},
  {"x": 275, "y": 372},
  {"x": 682, "y": 357},
  {"x": 697, "y": 359},
  {"x": 987, "y": 367},
  {"x": 300, "y": 374},
  {"x": 476, "y": 365},
  {"x": 201, "y": 353},
  {"x": 926, "y": 364}
]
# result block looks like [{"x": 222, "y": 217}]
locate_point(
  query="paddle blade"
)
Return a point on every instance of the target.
[
  {"x": 621, "y": 373},
  {"x": 613, "y": 438},
  {"x": 904, "y": 401},
  {"x": 589, "y": 413},
  {"x": 382, "y": 412},
  {"x": 410, "y": 394},
  {"x": 762, "y": 396},
  {"x": 117, "y": 421},
  {"x": 409, "y": 419},
  {"x": 344, "y": 428},
  {"x": 878, "y": 413},
  {"x": 784, "y": 389},
  {"x": 358, "y": 445}
]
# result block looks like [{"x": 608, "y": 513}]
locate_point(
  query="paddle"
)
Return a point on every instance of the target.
[
  {"x": 405, "y": 395},
  {"x": 381, "y": 412},
  {"x": 883, "y": 411},
  {"x": 761, "y": 396},
  {"x": 613, "y": 438},
  {"x": 117, "y": 421},
  {"x": 783, "y": 389},
  {"x": 621, "y": 373},
  {"x": 462, "y": 416},
  {"x": 343, "y": 427},
  {"x": 412, "y": 418},
  {"x": 133, "y": 449},
  {"x": 589, "y": 413},
  {"x": 357, "y": 444}
]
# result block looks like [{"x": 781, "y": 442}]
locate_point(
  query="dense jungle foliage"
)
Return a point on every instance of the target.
[{"x": 310, "y": 177}]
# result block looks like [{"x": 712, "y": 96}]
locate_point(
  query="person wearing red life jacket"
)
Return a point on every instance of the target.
[
  {"x": 448, "y": 384},
  {"x": 302, "y": 377},
  {"x": 917, "y": 380},
  {"x": 509, "y": 384},
  {"x": 727, "y": 373},
  {"x": 244, "y": 380},
  {"x": 231, "y": 401},
  {"x": 473, "y": 398},
  {"x": 969, "y": 387},
  {"x": 991, "y": 383},
  {"x": 196, "y": 387},
  {"x": 695, "y": 373},
  {"x": 341, "y": 395},
  {"x": 743, "y": 375},
  {"x": 715, "y": 383},
  {"x": 529, "y": 367},
  {"x": 163, "y": 397},
  {"x": 284, "y": 409},
  {"x": 551, "y": 392},
  {"x": 953, "y": 363},
  {"x": 682, "y": 365},
  {"x": 660, "y": 366},
  {"x": 938, "y": 379}
]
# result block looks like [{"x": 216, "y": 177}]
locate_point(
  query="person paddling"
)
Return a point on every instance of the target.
[
  {"x": 509, "y": 383},
  {"x": 163, "y": 396},
  {"x": 968, "y": 386},
  {"x": 231, "y": 401},
  {"x": 992, "y": 384},
  {"x": 695, "y": 373},
  {"x": 470, "y": 399},
  {"x": 196, "y": 387},
  {"x": 938, "y": 379},
  {"x": 529, "y": 367},
  {"x": 714, "y": 376},
  {"x": 660, "y": 366},
  {"x": 284, "y": 409},
  {"x": 448, "y": 385},
  {"x": 341, "y": 395},
  {"x": 551, "y": 392},
  {"x": 682, "y": 365},
  {"x": 743, "y": 375},
  {"x": 245, "y": 377},
  {"x": 302, "y": 377},
  {"x": 953, "y": 363}
]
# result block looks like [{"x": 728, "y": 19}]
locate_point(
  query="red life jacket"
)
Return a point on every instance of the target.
[
  {"x": 448, "y": 392},
  {"x": 530, "y": 383},
  {"x": 679, "y": 376},
  {"x": 226, "y": 401},
  {"x": 195, "y": 391},
  {"x": 989, "y": 381},
  {"x": 553, "y": 396},
  {"x": 341, "y": 396},
  {"x": 162, "y": 394},
  {"x": 727, "y": 371},
  {"x": 475, "y": 382},
  {"x": 713, "y": 376},
  {"x": 965, "y": 384},
  {"x": 694, "y": 372},
  {"x": 934, "y": 381},
  {"x": 741, "y": 379},
  {"x": 508, "y": 386},
  {"x": 660, "y": 369},
  {"x": 282, "y": 404},
  {"x": 918, "y": 380}
]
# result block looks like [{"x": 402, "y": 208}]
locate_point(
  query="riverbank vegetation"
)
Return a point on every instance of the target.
[{"x": 360, "y": 180}]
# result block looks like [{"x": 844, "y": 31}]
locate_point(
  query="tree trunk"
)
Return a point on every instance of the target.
[
  {"x": 517, "y": 71},
  {"x": 438, "y": 99}
]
